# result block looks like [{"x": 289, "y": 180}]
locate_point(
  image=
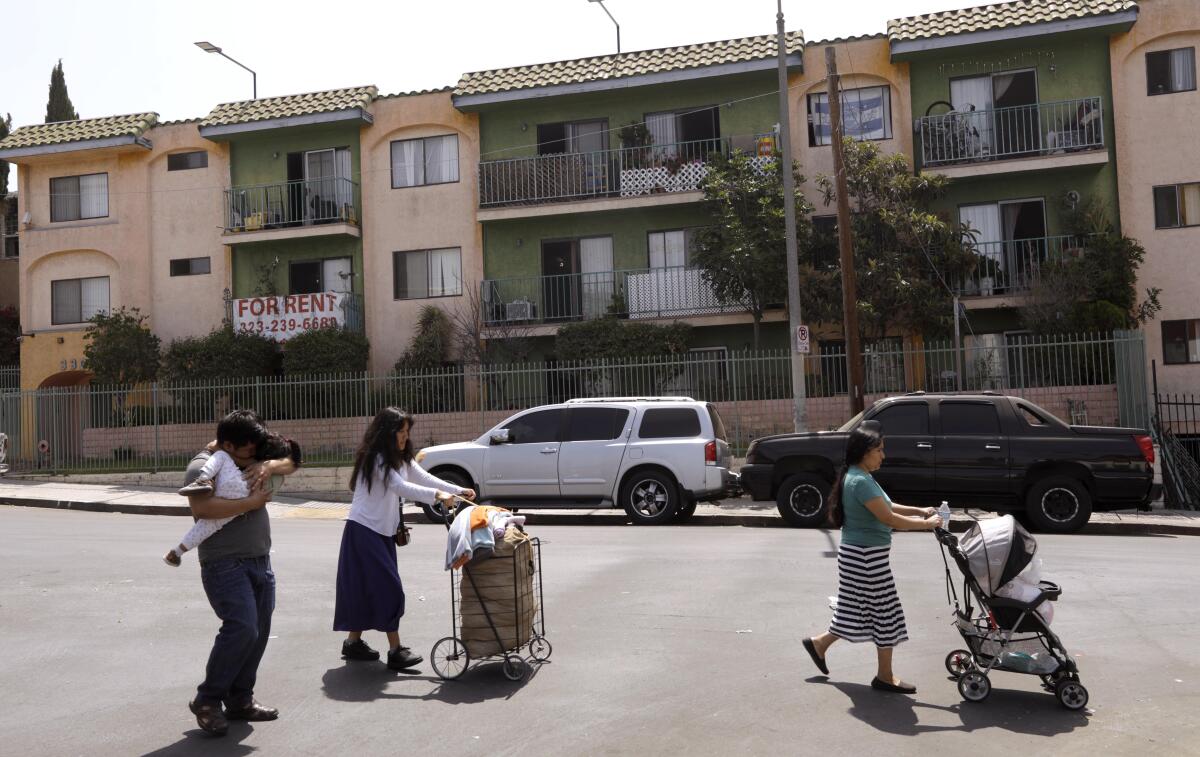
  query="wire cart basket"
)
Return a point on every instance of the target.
[{"x": 495, "y": 612}]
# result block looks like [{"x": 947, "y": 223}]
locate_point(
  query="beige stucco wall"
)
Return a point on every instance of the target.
[
  {"x": 1156, "y": 144},
  {"x": 861, "y": 63},
  {"x": 153, "y": 216},
  {"x": 414, "y": 218}
]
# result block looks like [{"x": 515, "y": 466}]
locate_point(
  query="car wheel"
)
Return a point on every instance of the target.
[
  {"x": 686, "y": 511},
  {"x": 802, "y": 500},
  {"x": 1058, "y": 505},
  {"x": 436, "y": 513},
  {"x": 650, "y": 498}
]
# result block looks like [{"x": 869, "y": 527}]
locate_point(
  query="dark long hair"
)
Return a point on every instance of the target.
[
  {"x": 277, "y": 447},
  {"x": 378, "y": 447},
  {"x": 862, "y": 440}
]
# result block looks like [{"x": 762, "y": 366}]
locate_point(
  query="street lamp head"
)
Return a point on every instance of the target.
[{"x": 208, "y": 47}]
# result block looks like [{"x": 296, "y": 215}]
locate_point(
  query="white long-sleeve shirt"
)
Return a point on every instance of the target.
[{"x": 379, "y": 509}]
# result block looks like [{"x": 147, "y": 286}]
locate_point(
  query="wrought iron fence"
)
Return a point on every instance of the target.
[
  {"x": 622, "y": 172},
  {"x": 1013, "y": 266},
  {"x": 1083, "y": 379},
  {"x": 1021, "y": 131},
  {"x": 1177, "y": 431},
  {"x": 10, "y": 377},
  {"x": 288, "y": 204}
]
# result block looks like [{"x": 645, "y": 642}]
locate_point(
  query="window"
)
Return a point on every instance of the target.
[
  {"x": 1176, "y": 205},
  {"x": 77, "y": 300},
  {"x": 669, "y": 422},
  {"x": 909, "y": 419},
  {"x": 691, "y": 132},
  {"x": 969, "y": 418},
  {"x": 76, "y": 197},
  {"x": 670, "y": 249},
  {"x": 866, "y": 114},
  {"x": 717, "y": 424},
  {"x": 1170, "y": 71},
  {"x": 1031, "y": 416},
  {"x": 186, "y": 161},
  {"x": 427, "y": 273},
  {"x": 536, "y": 428},
  {"x": 588, "y": 424},
  {"x": 9, "y": 235},
  {"x": 418, "y": 162},
  {"x": 190, "y": 266},
  {"x": 575, "y": 137},
  {"x": 312, "y": 276},
  {"x": 1181, "y": 341}
]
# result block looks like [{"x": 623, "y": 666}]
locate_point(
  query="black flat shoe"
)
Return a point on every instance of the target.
[
  {"x": 817, "y": 659},
  {"x": 402, "y": 658},
  {"x": 358, "y": 650},
  {"x": 210, "y": 718},
  {"x": 902, "y": 688}
]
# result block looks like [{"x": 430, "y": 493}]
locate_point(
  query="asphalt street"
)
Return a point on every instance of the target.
[{"x": 669, "y": 640}]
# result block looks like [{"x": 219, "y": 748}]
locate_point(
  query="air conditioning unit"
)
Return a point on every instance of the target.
[{"x": 519, "y": 310}]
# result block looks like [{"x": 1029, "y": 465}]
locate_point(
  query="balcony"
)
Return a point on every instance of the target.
[
  {"x": 1007, "y": 269},
  {"x": 292, "y": 209},
  {"x": 628, "y": 172},
  {"x": 634, "y": 294},
  {"x": 1003, "y": 140}
]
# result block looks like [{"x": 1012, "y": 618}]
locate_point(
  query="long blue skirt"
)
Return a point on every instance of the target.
[{"x": 370, "y": 596}]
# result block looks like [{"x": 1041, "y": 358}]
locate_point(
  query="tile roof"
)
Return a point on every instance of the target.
[
  {"x": 416, "y": 93},
  {"x": 62, "y": 132},
  {"x": 622, "y": 65},
  {"x": 268, "y": 108},
  {"x": 1000, "y": 16}
]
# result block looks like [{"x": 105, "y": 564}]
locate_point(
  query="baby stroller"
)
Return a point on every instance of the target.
[{"x": 1002, "y": 633}]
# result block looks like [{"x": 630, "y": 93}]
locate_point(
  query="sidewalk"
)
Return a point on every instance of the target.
[{"x": 146, "y": 500}]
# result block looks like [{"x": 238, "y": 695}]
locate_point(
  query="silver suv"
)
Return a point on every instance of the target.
[{"x": 655, "y": 457}]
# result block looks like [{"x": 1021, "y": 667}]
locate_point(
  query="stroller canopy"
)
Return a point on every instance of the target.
[{"x": 997, "y": 550}]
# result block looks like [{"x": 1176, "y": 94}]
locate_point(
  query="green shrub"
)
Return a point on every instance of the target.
[
  {"x": 612, "y": 339},
  {"x": 327, "y": 350},
  {"x": 220, "y": 355}
]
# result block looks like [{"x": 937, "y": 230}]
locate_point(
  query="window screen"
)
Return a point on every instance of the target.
[
  {"x": 186, "y": 161},
  {"x": 190, "y": 266},
  {"x": 587, "y": 424},
  {"x": 1170, "y": 71},
  {"x": 909, "y": 419},
  {"x": 669, "y": 422},
  {"x": 77, "y": 300},
  {"x": 536, "y": 428},
  {"x": 969, "y": 418}
]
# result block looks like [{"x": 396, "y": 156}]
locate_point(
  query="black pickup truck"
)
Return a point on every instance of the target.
[{"x": 972, "y": 450}]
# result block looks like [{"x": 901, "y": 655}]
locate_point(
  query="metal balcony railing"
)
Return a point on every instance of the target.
[
  {"x": 624, "y": 172},
  {"x": 1011, "y": 267},
  {"x": 1003, "y": 133},
  {"x": 290, "y": 204},
  {"x": 634, "y": 294}
]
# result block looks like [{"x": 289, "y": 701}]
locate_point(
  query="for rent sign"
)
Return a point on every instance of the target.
[{"x": 281, "y": 318}]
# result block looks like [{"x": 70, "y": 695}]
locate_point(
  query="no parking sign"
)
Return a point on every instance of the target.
[{"x": 803, "y": 345}]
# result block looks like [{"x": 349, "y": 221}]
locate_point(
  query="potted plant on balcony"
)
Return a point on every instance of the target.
[{"x": 642, "y": 171}]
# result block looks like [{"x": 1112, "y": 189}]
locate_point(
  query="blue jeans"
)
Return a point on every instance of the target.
[{"x": 242, "y": 594}]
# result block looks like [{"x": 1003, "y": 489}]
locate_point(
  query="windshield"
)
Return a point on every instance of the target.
[{"x": 848, "y": 425}]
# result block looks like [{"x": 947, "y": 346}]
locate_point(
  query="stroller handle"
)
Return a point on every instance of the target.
[{"x": 945, "y": 537}]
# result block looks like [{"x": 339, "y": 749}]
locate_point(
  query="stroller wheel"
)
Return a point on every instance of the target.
[
  {"x": 514, "y": 668},
  {"x": 1071, "y": 694},
  {"x": 974, "y": 686},
  {"x": 959, "y": 662},
  {"x": 540, "y": 649},
  {"x": 449, "y": 658}
]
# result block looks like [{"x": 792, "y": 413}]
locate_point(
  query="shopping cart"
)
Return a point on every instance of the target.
[{"x": 496, "y": 611}]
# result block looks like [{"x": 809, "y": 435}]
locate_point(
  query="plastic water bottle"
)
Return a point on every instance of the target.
[{"x": 944, "y": 514}]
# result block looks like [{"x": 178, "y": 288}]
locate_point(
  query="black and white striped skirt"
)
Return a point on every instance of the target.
[{"x": 867, "y": 608}]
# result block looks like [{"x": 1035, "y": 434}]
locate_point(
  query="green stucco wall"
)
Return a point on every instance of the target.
[
  {"x": 248, "y": 257},
  {"x": 261, "y": 157},
  {"x": 502, "y": 135}
]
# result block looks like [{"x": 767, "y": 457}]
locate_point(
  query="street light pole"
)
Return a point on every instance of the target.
[
  {"x": 208, "y": 47},
  {"x": 799, "y": 409},
  {"x": 610, "y": 16}
]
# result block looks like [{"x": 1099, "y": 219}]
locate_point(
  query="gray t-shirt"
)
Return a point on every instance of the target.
[{"x": 248, "y": 535}]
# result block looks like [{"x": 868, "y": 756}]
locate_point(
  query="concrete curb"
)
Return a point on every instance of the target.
[{"x": 97, "y": 507}]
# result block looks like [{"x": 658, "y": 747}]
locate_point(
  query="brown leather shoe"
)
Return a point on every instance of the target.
[
  {"x": 254, "y": 712},
  {"x": 210, "y": 718}
]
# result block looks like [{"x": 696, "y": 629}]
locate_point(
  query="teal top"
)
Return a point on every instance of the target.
[{"x": 860, "y": 527}]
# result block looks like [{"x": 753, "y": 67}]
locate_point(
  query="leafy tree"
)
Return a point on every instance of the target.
[
  {"x": 743, "y": 253},
  {"x": 10, "y": 329},
  {"x": 430, "y": 346},
  {"x": 906, "y": 257},
  {"x": 119, "y": 349},
  {"x": 483, "y": 342},
  {"x": 614, "y": 339},
  {"x": 58, "y": 105},
  {"x": 220, "y": 355},
  {"x": 327, "y": 350},
  {"x": 5, "y": 128}
]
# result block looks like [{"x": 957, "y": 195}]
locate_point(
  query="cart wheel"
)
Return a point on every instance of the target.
[
  {"x": 514, "y": 667},
  {"x": 1071, "y": 694},
  {"x": 540, "y": 649},
  {"x": 449, "y": 658},
  {"x": 974, "y": 686},
  {"x": 959, "y": 662}
]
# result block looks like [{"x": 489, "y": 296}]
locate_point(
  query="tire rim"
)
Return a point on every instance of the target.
[
  {"x": 1060, "y": 504},
  {"x": 806, "y": 500},
  {"x": 974, "y": 687},
  {"x": 649, "y": 498},
  {"x": 1072, "y": 696}
]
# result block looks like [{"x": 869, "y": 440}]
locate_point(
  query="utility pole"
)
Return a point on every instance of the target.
[
  {"x": 854, "y": 363},
  {"x": 800, "y": 411}
]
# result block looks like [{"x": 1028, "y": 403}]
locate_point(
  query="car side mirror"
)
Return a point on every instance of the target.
[{"x": 502, "y": 437}]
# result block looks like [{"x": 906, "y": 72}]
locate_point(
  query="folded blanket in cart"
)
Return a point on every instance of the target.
[{"x": 475, "y": 529}]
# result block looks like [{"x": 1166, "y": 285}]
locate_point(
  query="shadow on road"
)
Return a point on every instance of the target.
[
  {"x": 1031, "y": 713},
  {"x": 198, "y": 742},
  {"x": 481, "y": 682}
]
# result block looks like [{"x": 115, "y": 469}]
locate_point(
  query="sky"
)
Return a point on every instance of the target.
[{"x": 137, "y": 56}]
